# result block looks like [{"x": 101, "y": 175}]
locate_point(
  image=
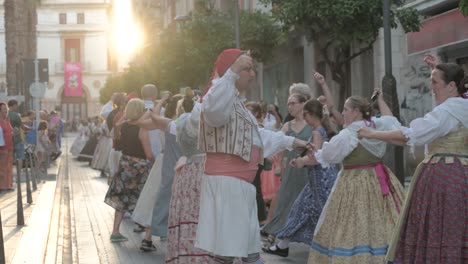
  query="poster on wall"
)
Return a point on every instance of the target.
[{"x": 73, "y": 83}]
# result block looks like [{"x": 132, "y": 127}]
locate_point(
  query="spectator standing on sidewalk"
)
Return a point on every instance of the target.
[
  {"x": 18, "y": 143},
  {"x": 44, "y": 146},
  {"x": 6, "y": 150},
  {"x": 134, "y": 166}
]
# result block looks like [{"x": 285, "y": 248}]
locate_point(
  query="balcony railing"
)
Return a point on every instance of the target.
[{"x": 85, "y": 66}]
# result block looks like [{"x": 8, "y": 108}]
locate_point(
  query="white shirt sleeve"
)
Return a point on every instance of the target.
[
  {"x": 274, "y": 142},
  {"x": 194, "y": 119},
  {"x": 433, "y": 125},
  {"x": 334, "y": 151},
  {"x": 218, "y": 103},
  {"x": 106, "y": 109}
]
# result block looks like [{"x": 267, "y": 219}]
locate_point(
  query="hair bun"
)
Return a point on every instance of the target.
[{"x": 463, "y": 87}]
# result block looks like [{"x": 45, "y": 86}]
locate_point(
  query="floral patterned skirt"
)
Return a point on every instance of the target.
[
  {"x": 357, "y": 222},
  {"x": 308, "y": 206},
  {"x": 126, "y": 186},
  {"x": 183, "y": 214}
]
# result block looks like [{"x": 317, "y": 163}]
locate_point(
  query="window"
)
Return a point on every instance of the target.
[
  {"x": 63, "y": 18},
  {"x": 72, "y": 50},
  {"x": 80, "y": 18}
]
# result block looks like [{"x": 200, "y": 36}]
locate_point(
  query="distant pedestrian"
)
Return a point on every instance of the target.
[
  {"x": 6, "y": 149},
  {"x": 44, "y": 146},
  {"x": 18, "y": 136}
]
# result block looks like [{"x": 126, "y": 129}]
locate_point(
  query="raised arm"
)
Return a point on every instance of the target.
[
  {"x": 328, "y": 96},
  {"x": 218, "y": 102},
  {"x": 395, "y": 137},
  {"x": 383, "y": 107}
]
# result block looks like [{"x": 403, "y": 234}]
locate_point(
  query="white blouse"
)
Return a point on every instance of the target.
[
  {"x": 443, "y": 119},
  {"x": 269, "y": 122},
  {"x": 341, "y": 145},
  {"x": 218, "y": 104}
]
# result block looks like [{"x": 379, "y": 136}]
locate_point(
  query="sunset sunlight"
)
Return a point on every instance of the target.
[{"x": 127, "y": 35}]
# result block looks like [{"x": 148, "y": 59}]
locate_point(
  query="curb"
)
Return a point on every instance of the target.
[{"x": 33, "y": 243}]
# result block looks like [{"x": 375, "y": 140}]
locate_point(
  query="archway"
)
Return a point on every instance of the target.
[{"x": 74, "y": 107}]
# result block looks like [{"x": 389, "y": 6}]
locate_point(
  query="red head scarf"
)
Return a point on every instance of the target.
[
  {"x": 225, "y": 59},
  {"x": 130, "y": 96}
]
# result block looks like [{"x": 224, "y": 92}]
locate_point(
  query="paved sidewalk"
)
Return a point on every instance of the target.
[
  {"x": 80, "y": 224},
  {"x": 13, "y": 234}
]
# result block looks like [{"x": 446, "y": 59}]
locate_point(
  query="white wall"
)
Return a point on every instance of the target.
[{"x": 95, "y": 52}]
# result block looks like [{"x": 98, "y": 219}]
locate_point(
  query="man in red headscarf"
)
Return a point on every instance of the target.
[{"x": 234, "y": 146}]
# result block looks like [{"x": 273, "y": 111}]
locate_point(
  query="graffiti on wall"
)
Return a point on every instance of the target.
[{"x": 417, "y": 96}]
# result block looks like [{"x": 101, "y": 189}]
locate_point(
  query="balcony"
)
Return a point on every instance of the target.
[{"x": 85, "y": 67}]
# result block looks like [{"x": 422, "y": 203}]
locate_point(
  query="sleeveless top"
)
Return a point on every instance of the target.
[{"x": 130, "y": 142}]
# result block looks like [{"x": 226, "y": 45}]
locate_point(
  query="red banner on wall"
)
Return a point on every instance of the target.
[{"x": 73, "y": 83}]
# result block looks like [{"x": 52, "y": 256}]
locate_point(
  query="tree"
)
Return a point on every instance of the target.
[
  {"x": 340, "y": 29},
  {"x": 184, "y": 55},
  {"x": 20, "y": 37},
  {"x": 464, "y": 7}
]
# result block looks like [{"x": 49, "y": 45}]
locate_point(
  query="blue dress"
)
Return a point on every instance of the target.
[{"x": 306, "y": 210}]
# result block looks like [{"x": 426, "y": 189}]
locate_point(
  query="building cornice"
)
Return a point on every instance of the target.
[
  {"x": 430, "y": 6},
  {"x": 75, "y": 5}
]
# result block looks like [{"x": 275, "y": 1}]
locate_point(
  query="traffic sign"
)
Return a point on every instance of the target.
[{"x": 37, "y": 89}]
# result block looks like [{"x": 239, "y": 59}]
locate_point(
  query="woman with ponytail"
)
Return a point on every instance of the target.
[
  {"x": 433, "y": 225},
  {"x": 306, "y": 210},
  {"x": 359, "y": 216}
]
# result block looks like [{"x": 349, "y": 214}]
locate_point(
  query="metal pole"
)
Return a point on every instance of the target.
[
  {"x": 2, "y": 247},
  {"x": 387, "y": 37},
  {"x": 29, "y": 199},
  {"x": 389, "y": 86},
  {"x": 38, "y": 115},
  {"x": 19, "y": 198},
  {"x": 236, "y": 22}
]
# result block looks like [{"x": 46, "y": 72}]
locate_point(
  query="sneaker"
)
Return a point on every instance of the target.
[
  {"x": 147, "y": 246},
  {"x": 282, "y": 252},
  {"x": 118, "y": 238}
]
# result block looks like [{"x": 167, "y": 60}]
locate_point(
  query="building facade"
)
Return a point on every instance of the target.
[{"x": 72, "y": 31}]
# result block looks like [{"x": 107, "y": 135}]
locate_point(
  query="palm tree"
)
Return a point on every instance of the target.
[{"x": 20, "y": 38}]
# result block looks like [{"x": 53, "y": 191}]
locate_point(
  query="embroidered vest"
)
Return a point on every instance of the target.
[{"x": 235, "y": 137}]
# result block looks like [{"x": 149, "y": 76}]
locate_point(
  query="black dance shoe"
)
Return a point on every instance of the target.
[{"x": 282, "y": 252}]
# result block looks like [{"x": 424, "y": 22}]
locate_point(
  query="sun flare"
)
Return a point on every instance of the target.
[{"x": 127, "y": 35}]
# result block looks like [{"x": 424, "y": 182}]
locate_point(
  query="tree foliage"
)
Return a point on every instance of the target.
[
  {"x": 464, "y": 7},
  {"x": 341, "y": 29},
  {"x": 184, "y": 54}
]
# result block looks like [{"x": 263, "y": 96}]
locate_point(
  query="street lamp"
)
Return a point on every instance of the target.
[{"x": 389, "y": 86}]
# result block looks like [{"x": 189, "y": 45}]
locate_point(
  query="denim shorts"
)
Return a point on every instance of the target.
[{"x": 19, "y": 151}]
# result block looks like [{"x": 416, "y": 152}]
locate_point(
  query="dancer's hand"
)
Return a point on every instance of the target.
[
  {"x": 297, "y": 163},
  {"x": 431, "y": 60},
  {"x": 365, "y": 132},
  {"x": 244, "y": 62},
  {"x": 319, "y": 78}
]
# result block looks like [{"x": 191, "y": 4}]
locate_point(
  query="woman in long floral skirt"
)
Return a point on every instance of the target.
[
  {"x": 185, "y": 199},
  {"x": 433, "y": 227},
  {"x": 134, "y": 166},
  {"x": 358, "y": 219}
]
